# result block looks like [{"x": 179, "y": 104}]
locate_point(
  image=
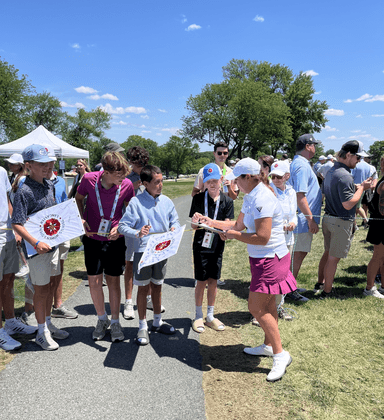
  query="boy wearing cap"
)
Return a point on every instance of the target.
[
  {"x": 208, "y": 248},
  {"x": 149, "y": 212},
  {"x": 342, "y": 197},
  {"x": 37, "y": 193}
]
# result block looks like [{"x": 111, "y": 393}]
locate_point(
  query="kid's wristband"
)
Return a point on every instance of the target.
[{"x": 37, "y": 243}]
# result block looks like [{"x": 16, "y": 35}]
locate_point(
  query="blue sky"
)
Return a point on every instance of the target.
[{"x": 142, "y": 60}]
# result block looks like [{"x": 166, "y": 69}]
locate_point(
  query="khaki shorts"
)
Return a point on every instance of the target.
[
  {"x": 337, "y": 236},
  {"x": 43, "y": 266},
  {"x": 9, "y": 259},
  {"x": 64, "y": 249},
  {"x": 303, "y": 242}
]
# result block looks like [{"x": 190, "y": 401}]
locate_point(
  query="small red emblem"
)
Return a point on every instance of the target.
[
  {"x": 162, "y": 245},
  {"x": 51, "y": 227},
  {"x": 210, "y": 170}
]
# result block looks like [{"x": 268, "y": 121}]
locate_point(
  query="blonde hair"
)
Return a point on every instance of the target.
[
  {"x": 85, "y": 163},
  {"x": 115, "y": 161}
]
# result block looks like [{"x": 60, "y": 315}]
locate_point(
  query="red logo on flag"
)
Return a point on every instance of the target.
[
  {"x": 162, "y": 245},
  {"x": 51, "y": 227}
]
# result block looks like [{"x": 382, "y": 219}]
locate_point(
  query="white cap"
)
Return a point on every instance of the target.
[
  {"x": 329, "y": 157},
  {"x": 15, "y": 159},
  {"x": 322, "y": 157},
  {"x": 243, "y": 167},
  {"x": 280, "y": 168}
]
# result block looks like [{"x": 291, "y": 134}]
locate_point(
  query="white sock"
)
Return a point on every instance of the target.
[
  {"x": 281, "y": 354},
  {"x": 103, "y": 317},
  {"x": 199, "y": 312},
  {"x": 210, "y": 310},
  {"x": 128, "y": 300},
  {"x": 47, "y": 320},
  {"x": 157, "y": 320},
  {"x": 114, "y": 321},
  {"x": 149, "y": 298},
  {"x": 42, "y": 327},
  {"x": 143, "y": 324}
]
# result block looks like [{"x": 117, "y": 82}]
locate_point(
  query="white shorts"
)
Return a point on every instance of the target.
[
  {"x": 64, "y": 249},
  {"x": 43, "y": 266}
]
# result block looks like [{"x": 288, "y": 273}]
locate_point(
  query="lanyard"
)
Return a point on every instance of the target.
[
  {"x": 206, "y": 206},
  {"x": 114, "y": 202}
]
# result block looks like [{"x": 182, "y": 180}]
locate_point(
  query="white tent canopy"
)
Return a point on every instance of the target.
[{"x": 42, "y": 136}]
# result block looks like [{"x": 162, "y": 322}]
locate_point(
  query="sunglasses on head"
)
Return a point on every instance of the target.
[
  {"x": 222, "y": 153},
  {"x": 265, "y": 165},
  {"x": 276, "y": 176}
]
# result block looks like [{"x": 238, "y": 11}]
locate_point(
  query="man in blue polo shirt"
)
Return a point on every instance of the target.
[
  {"x": 307, "y": 188},
  {"x": 360, "y": 173}
]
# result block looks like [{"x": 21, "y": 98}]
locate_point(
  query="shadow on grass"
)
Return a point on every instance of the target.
[
  {"x": 230, "y": 359},
  {"x": 238, "y": 288},
  {"x": 78, "y": 274},
  {"x": 235, "y": 319}
]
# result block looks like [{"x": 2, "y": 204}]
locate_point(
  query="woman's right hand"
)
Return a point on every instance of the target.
[{"x": 86, "y": 228}]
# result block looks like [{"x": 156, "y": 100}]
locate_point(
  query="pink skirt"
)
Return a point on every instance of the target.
[{"x": 272, "y": 275}]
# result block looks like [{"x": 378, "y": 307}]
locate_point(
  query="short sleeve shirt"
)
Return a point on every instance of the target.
[
  {"x": 361, "y": 172},
  {"x": 226, "y": 211},
  {"x": 107, "y": 197},
  {"x": 339, "y": 187},
  {"x": 6, "y": 233},
  {"x": 304, "y": 180},
  {"x": 258, "y": 204}
]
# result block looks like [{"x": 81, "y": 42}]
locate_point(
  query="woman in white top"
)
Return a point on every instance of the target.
[{"x": 269, "y": 258}]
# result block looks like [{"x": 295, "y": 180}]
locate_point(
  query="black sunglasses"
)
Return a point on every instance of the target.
[{"x": 222, "y": 153}]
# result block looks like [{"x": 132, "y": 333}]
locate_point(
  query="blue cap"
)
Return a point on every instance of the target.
[
  {"x": 37, "y": 153},
  {"x": 211, "y": 171}
]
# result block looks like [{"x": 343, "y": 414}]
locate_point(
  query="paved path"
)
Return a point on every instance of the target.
[{"x": 100, "y": 380}]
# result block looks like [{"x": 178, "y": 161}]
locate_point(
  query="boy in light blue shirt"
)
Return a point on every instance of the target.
[{"x": 149, "y": 212}]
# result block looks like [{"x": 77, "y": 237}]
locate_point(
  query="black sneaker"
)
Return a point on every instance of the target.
[
  {"x": 325, "y": 295},
  {"x": 296, "y": 297},
  {"x": 318, "y": 287}
]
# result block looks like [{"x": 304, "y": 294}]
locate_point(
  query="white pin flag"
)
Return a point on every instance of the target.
[
  {"x": 160, "y": 247},
  {"x": 54, "y": 225}
]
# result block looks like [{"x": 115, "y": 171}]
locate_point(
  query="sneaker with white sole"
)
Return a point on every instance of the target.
[
  {"x": 262, "y": 350},
  {"x": 63, "y": 312},
  {"x": 280, "y": 363},
  {"x": 150, "y": 306},
  {"x": 318, "y": 287},
  {"x": 57, "y": 333},
  {"x": 373, "y": 292},
  {"x": 101, "y": 329},
  {"x": 381, "y": 290},
  {"x": 29, "y": 318},
  {"x": 18, "y": 327},
  {"x": 46, "y": 342},
  {"x": 128, "y": 312},
  {"x": 116, "y": 332},
  {"x": 7, "y": 342},
  {"x": 296, "y": 297},
  {"x": 220, "y": 282},
  {"x": 24, "y": 270}
]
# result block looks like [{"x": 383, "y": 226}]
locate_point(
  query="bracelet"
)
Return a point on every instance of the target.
[{"x": 37, "y": 243}]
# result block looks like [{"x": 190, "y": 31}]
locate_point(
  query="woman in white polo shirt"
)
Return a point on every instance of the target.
[{"x": 262, "y": 217}]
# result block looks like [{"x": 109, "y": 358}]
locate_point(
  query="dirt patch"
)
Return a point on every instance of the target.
[{"x": 234, "y": 383}]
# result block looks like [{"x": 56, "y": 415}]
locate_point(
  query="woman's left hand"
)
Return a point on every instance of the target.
[{"x": 113, "y": 234}]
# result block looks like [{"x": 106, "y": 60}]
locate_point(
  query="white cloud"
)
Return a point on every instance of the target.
[
  {"x": 361, "y": 136},
  {"x": 364, "y": 97},
  {"x": 328, "y": 128},
  {"x": 171, "y": 130},
  {"x": 119, "y": 123},
  {"x": 376, "y": 98},
  {"x": 146, "y": 131},
  {"x": 348, "y": 101},
  {"x": 110, "y": 97},
  {"x": 335, "y": 112},
  {"x": 311, "y": 73},
  {"x": 85, "y": 89},
  {"x": 94, "y": 97},
  {"x": 120, "y": 110},
  {"x": 76, "y": 46},
  {"x": 359, "y": 116},
  {"x": 332, "y": 138},
  {"x": 135, "y": 110},
  {"x": 318, "y": 93},
  {"x": 144, "y": 116},
  {"x": 193, "y": 27},
  {"x": 378, "y": 115},
  {"x": 158, "y": 134},
  {"x": 258, "y": 18},
  {"x": 355, "y": 131},
  {"x": 76, "y": 105},
  {"x": 183, "y": 18},
  {"x": 142, "y": 126},
  {"x": 162, "y": 110}
]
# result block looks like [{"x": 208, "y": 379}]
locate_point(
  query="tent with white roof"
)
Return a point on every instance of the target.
[{"x": 42, "y": 136}]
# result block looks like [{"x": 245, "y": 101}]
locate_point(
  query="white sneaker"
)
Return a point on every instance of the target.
[
  {"x": 280, "y": 363},
  {"x": 7, "y": 342},
  {"x": 18, "y": 327},
  {"x": 381, "y": 290},
  {"x": 45, "y": 341},
  {"x": 57, "y": 333},
  {"x": 262, "y": 350},
  {"x": 373, "y": 292},
  {"x": 220, "y": 282},
  {"x": 29, "y": 318},
  {"x": 128, "y": 313},
  {"x": 150, "y": 306},
  {"x": 24, "y": 270}
]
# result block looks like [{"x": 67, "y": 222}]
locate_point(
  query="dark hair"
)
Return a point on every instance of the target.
[
  {"x": 147, "y": 172},
  {"x": 22, "y": 172},
  {"x": 284, "y": 156},
  {"x": 220, "y": 144},
  {"x": 138, "y": 155},
  {"x": 114, "y": 161},
  {"x": 342, "y": 154},
  {"x": 267, "y": 160}
]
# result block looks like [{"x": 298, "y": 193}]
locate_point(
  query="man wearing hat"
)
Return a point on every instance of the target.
[
  {"x": 338, "y": 222},
  {"x": 323, "y": 170},
  {"x": 308, "y": 193},
  {"x": 15, "y": 164},
  {"x": 317, "y": 166}
]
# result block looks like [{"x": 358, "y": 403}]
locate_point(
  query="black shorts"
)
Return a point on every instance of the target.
[
  {"x": 104, "y": 256},
  {"x": 207, "y": 266},
  {"x": 376, "y": 232}
]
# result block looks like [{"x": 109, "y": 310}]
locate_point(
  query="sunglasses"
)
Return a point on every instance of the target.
[
  {"x": 276, "y": 176},
  {"x": 265, "y": 165},
  {"x": 222, "y": 153}
]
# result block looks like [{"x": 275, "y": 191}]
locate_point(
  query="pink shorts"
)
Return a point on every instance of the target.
[{"x": 272, "y": 275}]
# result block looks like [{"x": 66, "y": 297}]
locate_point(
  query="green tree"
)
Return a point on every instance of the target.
[
  {"x": 150, "y": 145},
  {"x": 330, "y": 152},
  {"x": 14, "y": 90},
  {"x": 177, "y": 153},
  {"x": 376, "y": 150}
]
